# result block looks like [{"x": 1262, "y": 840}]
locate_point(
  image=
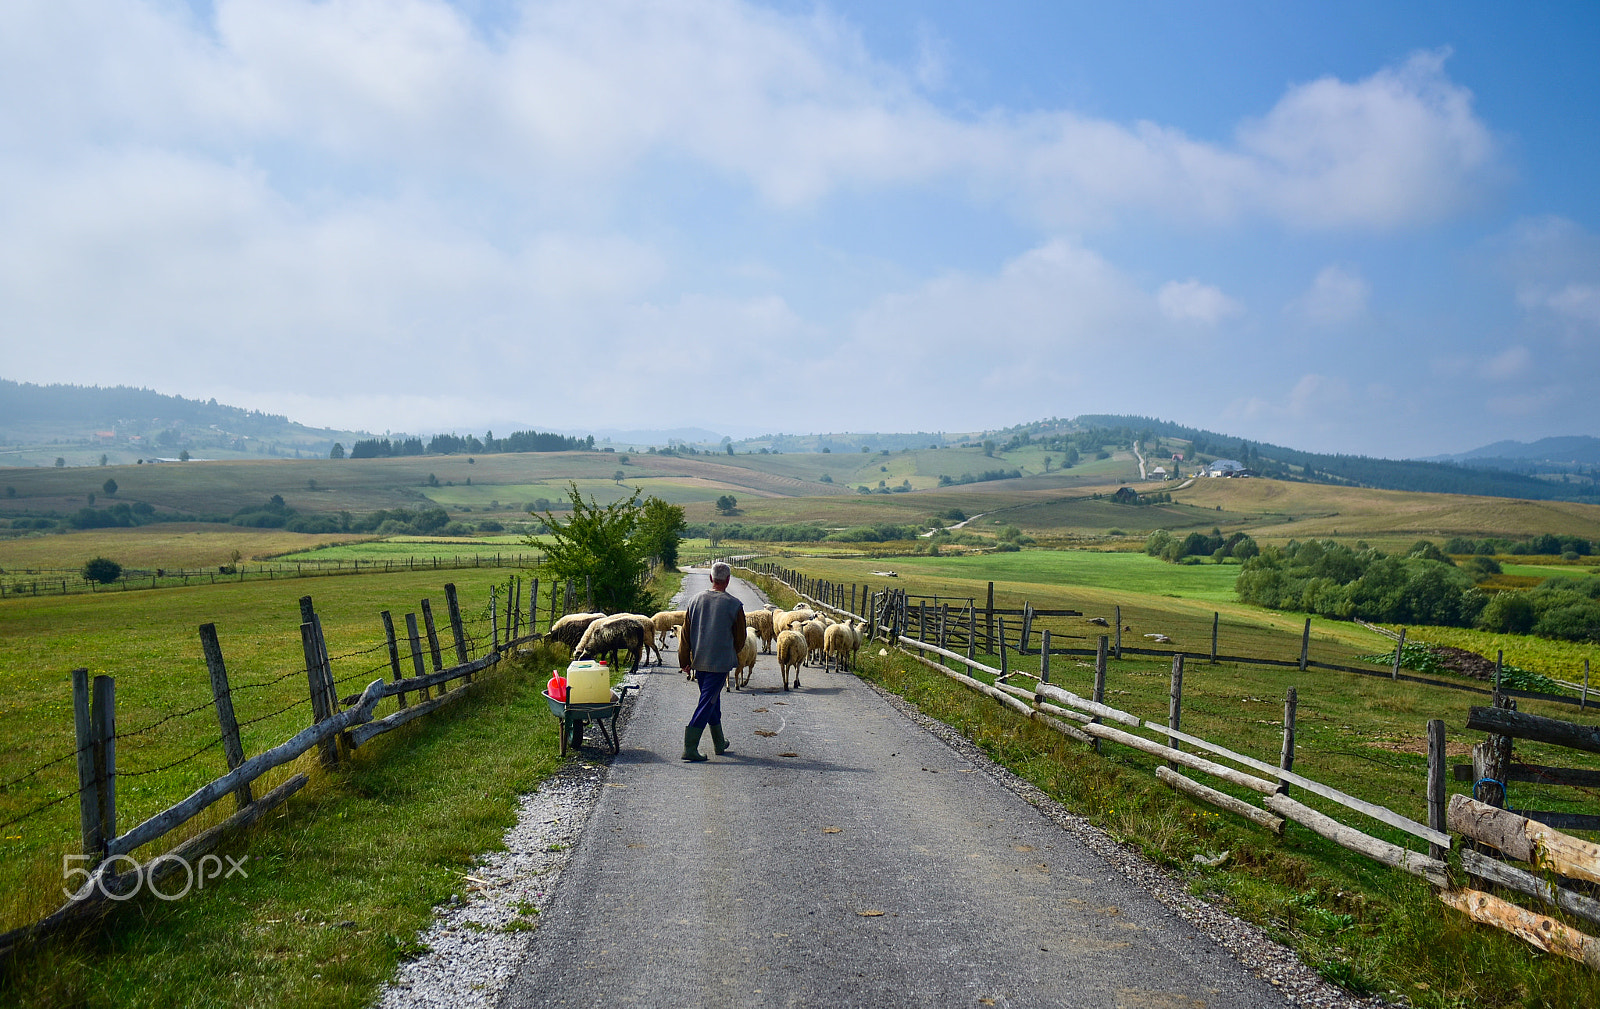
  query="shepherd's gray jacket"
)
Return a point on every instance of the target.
[{"x": 714, "y": 625}]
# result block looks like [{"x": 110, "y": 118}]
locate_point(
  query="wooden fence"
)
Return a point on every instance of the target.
[
  {"x": 1525, "y": 835},
  {"x": 338, "y": 726}
]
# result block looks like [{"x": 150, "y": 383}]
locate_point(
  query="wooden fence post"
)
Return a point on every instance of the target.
[
  {"x": 1175, "y": 704},
  {"x": 1027, "y": 628},
  {"x": 513, "y": 606},
  {"x": 222, "y": 699},
  {"x": 972, "y": 629},
  {"x": 1491, "y": 759},
  {"x": 1044, "y": 655},
  {"x": 457, "y": 630},
  {"x": 94, "y": 841},
  {"x": 328, "y": 748},
  {"x": 1305, "y": 646},
  {"x": 852, "y": 597},
  {"x": 1005, "y": 666},
  {"x": 433, "y": 639},
  {"x": 1118, "y": 618},
  {"x": 1499, "y": 667},
  {"x": 1394, "y": 674},
  {"x": 1214, "y": 619},
  {"x": 988, "y": 620},
  {"x": 494, "y": 618},
  {"x": 1099, "y": 695},
  {"x": 1291, "y": 700},
  {"x": 944, "y": 624},
  {"x": 1583, "y": 699},
  {"x": 533, "y": 607},
  {"x": 416, "y": 653},
  {"x": 394, "y": 652},
  {"x": 1436, "y": 803},
  {"x": 922, "y": 620}
]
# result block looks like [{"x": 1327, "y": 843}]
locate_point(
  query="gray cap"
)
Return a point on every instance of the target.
[{"x": 721, "y": 572}]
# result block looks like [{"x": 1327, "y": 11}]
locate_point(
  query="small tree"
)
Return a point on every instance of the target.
[
  {"x": 183, "y": 456},
  {"x": 60, "y": 462},
  {"x": 337, "y": 452},
  {"x": 598, "y": 544},
  {"x": 661, "y": 528},
  {"x": 104, "y": 459},
  {"x": 619, "y": 476},
  {"x": 102, "y": 570},
  {"x": 110, "y": 487},
  {"x": 727, "y": 504}
]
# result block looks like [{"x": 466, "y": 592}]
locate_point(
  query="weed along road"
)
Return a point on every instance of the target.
[{"x": 841, "y": 855}]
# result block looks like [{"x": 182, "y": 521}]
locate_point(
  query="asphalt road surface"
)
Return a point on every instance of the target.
[{"x": 840, "y": 855}]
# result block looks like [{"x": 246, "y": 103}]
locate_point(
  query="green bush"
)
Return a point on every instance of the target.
[
  {"x": 1509, "y": 613},
  {"x": 102, "y": 570}
]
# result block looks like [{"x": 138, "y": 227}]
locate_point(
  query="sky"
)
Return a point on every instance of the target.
[{"x": 1363, "y": 227}]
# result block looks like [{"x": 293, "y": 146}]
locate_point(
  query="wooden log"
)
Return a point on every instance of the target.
[
  {"x": 1222, "y": 800},
  {"x": 1520, "y": 725},
  {"x": 103, "y": 724},
  {"x": 433, "y": 679},
  {"x": 1373, "y": 810},
  {"x": 1014, "y": 703},
  {"x": 164, "y": 821},
  {"x": 158, "y": 869},
  {"x": 1560, "y": 820},
  {"x": 394, "y": 651},
  {"x": 1524, "y": 839},
  {"x": 1175, "y": 703},
  {"x": 1022, "y": 693},
  {"x": 1291, "y": 702},
  {"x": 1436, "y": 789},
  {"x": 379, "y": 726},
  {"x": 222, "y": 701},
  {"x": 1071, "y": 700},
  {"x": 1495, "y": 871},
  {"x": 1539, "y": 774},
  {"x": 1535, "y": 929},
  {"x": 88, "y": 789},
  {"x": 1433, "y": 870},
  {"x": 1189, "y": 760}
]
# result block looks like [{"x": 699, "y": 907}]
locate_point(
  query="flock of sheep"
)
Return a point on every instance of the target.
[{"x": 801, "y": 636}]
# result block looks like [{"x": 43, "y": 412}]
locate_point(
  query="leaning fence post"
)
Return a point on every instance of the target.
[
  {"x": 494, "y": 619},
  {"x": 1175, "y": 704},
  {"x": 433, "y": 639},
  {"x": 1399, "y": 648},
  {"x": 88, "y": 786},
  {"x": 1286, "y": 755},
  {"x": 1436, "y": 806},
  {"x": 103, "y": 718},
  {"x": 416, "y": 652},
  {"x": 394, "y": 652},
  {"x": 328, "y": 747},
  {"x": 222, "y": 698},
  {"x": 1099, "y": 682},
  {"x": 1044, "y": 655},
  {"x": 1305, "y": 646}
]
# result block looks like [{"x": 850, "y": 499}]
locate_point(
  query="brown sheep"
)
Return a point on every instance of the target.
[
  {"x": 609, "y": 636},
  {"x": 791, "y": 654},
  {"x": 569, "y": 629}
]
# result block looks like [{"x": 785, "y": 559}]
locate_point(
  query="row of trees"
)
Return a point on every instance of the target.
[
  {"x": 451, "y": 444},
  {"x": 1216, "y": 546},
  {"x": 1333, "y": 580}
]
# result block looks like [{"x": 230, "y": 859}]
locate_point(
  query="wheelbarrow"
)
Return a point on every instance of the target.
[{"x": 574, "y": 717}]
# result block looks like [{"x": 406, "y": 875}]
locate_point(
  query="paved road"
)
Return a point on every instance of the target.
[{"x": 841, "y": 856}]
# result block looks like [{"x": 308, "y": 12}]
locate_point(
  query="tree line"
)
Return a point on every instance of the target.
[{"x": 451, "y": 444}]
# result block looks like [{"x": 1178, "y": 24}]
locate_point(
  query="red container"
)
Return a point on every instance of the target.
[{"x": 557, "y": 688}]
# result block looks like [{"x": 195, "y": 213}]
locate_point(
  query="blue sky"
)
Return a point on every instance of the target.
[{"x": 1360, "y": 227}]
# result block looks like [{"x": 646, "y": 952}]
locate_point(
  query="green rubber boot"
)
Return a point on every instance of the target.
[
  {"x": 718, "y": 740},
  {"x": 691, "y": 742}
]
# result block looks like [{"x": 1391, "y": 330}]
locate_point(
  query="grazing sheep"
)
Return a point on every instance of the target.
[
  {"x": 569, "y": 629},
  {"x": 813, "y": 631},
  {"x": 791, "y": 654},
  {"x": 836, "y": 643},
  {"x": 760, "y": 621},
  {"x": 1100, "y": 621},
  {"x": 747, "y": 661},
  {"x": 665, "y": 622},
  {"x": 610, "y": 635}
]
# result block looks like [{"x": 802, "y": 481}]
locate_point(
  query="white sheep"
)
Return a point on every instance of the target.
[
  {"x": 747, "y": 661},
  {"x": 760, "y": 621},
  {"x": 836, "y": 643},
  {"x": 784, "y": 618},
  {"x": 791, "y": 655},
  {"x": 665, "y": 621},
  {"x": 813, "y": 631},
  {"x": 569, "y": 629}
]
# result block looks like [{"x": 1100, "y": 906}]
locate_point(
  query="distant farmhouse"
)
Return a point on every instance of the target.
[{"x": 1227, "y": 467}]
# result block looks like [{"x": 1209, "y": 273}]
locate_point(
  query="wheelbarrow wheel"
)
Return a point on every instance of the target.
[
  {"x": 561, "y": 730},
  {"x": 577, "y": 734}
]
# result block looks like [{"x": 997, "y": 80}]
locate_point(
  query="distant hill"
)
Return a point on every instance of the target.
[{"x": 1571, "y": 450}]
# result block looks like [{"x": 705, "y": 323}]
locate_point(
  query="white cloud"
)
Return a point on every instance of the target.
[
  {"x": 1509, "y": 363},
  {"x": 1338, "y": 296},
  {"x": 1192, "y": 301}
]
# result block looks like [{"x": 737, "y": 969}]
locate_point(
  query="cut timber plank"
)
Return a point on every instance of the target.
[
  {"x": 1534, "y": 929},
  {"x": 1524, "y": 839},
  {"x": 1054, "y": 693},
  {"x": 1520, "y": 725},
  {"x": 1222, "y": 800},
  {"x": 1433, "y": 870},
  {"x": 1372, "y": 809},
  {"x": 1523, "y": 881}
]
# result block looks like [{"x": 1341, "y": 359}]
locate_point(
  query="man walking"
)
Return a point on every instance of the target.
[{"x": 713, "y": 631}]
